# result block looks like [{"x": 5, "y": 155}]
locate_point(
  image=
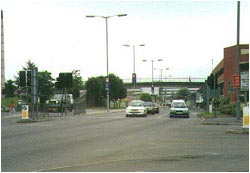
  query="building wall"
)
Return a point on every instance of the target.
[
  {"x": 226, "y": 69},
  {"x": 230, "y": 63}
]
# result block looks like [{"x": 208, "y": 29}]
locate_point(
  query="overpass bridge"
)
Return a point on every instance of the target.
[
  {"x": 165, "y": 82},
  {"x": 164, "y": 87}
]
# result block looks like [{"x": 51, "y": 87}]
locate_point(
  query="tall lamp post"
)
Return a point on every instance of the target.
[
  {"x": 161, "y": 69},
  {"x": 134, "y": 74},
  {"x": 238, "y": 61},
  {"x": 107, "y": 55},
  {"x": 152, "y": 61}
]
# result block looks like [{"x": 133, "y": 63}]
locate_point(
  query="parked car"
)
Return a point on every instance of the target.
[
  {"x": 157, "y": 108},
  {"x": 136, "y": 108},
  {"x": 150, "y": 107},
  {"x": 179, "y": 108}
]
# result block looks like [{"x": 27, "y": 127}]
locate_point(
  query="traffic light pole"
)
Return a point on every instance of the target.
[{"x": 34, "y": 90}]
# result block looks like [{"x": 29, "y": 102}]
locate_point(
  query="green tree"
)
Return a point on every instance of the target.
[
  {"x": 183, "y": 93},
  {"x": 29, "y": 65},
  {"x": 45, "y": 86},
  {"x": 78, "y": 84},
  {"x": 117, "y": 89},
  {"x": 95, "y": 91},
  {"x": 146, "y": 97},
  {"x": 9, "y": 89}
]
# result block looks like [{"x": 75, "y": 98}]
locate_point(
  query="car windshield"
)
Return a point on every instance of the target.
[
  {"x": 136, "y": 104},
  {"x": 148, "y": 103},
  {"x": 179, "y": 105}
]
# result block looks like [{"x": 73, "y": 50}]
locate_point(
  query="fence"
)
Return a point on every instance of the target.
[{"x": 80, "y": 105}]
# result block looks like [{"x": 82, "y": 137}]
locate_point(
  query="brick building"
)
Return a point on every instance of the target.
[{"x": 225, "y": 70}]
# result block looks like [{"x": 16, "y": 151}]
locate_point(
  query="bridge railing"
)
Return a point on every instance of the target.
[{"x": 143, "y": 80}]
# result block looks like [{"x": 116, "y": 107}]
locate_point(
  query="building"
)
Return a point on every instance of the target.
[{"x": 226, "y": 69}]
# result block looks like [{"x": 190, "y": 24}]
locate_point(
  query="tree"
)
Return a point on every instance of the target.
[
  {"x": 146, "y": 97},
  {"x": 117, "y": 89},
  {"x": 29, "y": 65},
  {"x": 78, "y": 84},
  {"x": 95, "y": 91},
  {"x": 45, "y": 85},
  {"x": 10, "y": 89},
  {"x": 183, "y": 93}
]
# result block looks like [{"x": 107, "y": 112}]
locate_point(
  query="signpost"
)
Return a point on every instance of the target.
[{"x": 25, "y": 112}]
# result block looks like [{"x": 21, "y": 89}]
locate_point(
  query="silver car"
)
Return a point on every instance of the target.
[{"x": 179, "y": 108}]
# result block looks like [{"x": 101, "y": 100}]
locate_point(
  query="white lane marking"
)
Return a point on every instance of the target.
[{"x": 161, "y": 116}]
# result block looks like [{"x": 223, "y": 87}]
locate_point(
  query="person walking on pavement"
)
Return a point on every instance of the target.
[{"x": 12, "y": 107}]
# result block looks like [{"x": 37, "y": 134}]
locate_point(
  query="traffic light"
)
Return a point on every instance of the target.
[
  {"x": 65, "y": 80},
  {"x": 59, "y": 82},
  {"x": 68, "y": 80},
  {"x": 22, "y": 77},
  {"x": 134, "y": 78},
  {"x": 28, "y": 78},
  {"x": 25, "y": 78},
  {"x": 107, "y": 83}
]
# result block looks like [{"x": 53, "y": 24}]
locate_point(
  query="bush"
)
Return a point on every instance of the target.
[
  {"x": 146, "y": 97},
  {"x": 228, "y": 109}
]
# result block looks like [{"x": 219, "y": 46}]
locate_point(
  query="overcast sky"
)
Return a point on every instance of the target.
[{"x": 57, "y": 37}]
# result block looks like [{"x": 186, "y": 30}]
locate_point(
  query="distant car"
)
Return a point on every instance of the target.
[
  {"x": 179, "y": 108},
  {"x": 157, "y": 108},
  {"x": 150, "y": 107},
  {"x": 136, "y": 108}
]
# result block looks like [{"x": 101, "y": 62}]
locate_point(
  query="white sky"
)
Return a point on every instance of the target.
[{"x": 57, "y": 37}]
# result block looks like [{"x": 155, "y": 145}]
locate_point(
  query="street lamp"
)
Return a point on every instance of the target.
[
  {"x": 106, "y": 20},
  {"x": 134, "y": 74},
  {"x": 152, "y": 61},
  {"x": 161, "y": 69}
]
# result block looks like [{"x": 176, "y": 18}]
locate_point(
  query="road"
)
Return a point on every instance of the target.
[{"x": 111, "y": 142}]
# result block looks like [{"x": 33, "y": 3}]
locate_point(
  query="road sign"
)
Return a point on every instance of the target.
[
  {"x": 236, "y": 81},
  {"x": 106, "y": 86},
  {"x": 25, "y": 112},
  {"x": 244, "y": 81}
]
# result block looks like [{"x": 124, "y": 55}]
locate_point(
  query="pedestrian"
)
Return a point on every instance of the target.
[{"x": 12, "y": 107}]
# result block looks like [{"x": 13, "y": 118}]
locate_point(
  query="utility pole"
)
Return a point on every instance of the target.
[
  {"x": 238, "y": 62},
  {"x": 2, "y": 54}
]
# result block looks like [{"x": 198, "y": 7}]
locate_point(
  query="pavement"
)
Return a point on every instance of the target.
[
  {"x": 91, "y": 111},
  {"x": 236, "y": 126},
  {"x": 95, "y": 111}
]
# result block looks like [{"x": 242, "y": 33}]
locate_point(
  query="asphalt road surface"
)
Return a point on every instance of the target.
[{"x": 112, "y": 142}]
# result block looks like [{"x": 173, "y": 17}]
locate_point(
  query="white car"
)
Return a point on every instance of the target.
[
  {"x": 136, "y": 108},
  {"x": 179, "y": 108}
]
